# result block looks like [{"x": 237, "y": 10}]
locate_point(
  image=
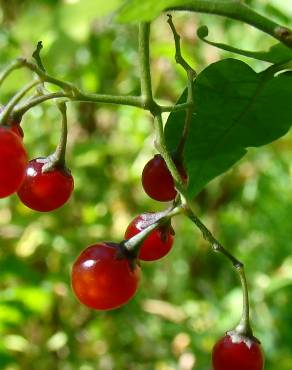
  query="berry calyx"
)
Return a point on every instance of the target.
[
  {"x": 102, "y": 279},
  {"x": 236, "y": 351},
  {"x": 157, "y": 180},
  {"x": 158, "y": 243},
  {"x": 13, "y": 161},
  {"x": 45, "y": 191}
]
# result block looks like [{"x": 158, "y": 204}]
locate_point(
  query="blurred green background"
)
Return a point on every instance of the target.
[{"x": 192, "y": 296}]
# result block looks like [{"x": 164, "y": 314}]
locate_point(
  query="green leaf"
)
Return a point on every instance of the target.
[
  {"x": 235, "y": 108},
  {"x": 146, "y": 10},
  {"x": 278, "y": 53}
]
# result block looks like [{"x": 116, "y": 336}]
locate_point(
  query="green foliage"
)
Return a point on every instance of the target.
[
  {"x": 235, "y": 108},
  {"x": 188, "y": 299},
  {"x": 277, "y": 53}
]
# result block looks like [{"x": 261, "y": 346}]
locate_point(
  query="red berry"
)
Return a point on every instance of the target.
[
  {"x": 157, "y": 244},
  {"x": 157, "y": 180},
  {"x": 237, "y": 352},
  {"x": 103, "y": 281},
  {"x": 13, "y": 161},
  {"x": 47, "y": 191}
]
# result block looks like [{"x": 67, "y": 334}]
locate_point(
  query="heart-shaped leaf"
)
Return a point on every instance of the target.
[{"x": 235, "y": 108}]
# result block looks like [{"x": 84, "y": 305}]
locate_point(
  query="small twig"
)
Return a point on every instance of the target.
[
  {"x": 244, "y": 326},
  {"x": 191, "y": 74},
  {"x": 45, "y": 77},
  {"x": 178, "y": 55},
  {"x": 238, "y": 10},
  {"x": 146, "y": 85},
  {"x": 16, "y": 64},
  {"x": 37, "y": 57},
  {"x": 12, "y": 103}
]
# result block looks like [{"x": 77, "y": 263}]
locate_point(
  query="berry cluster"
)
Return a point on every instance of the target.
[
  {"x": 39, "y": 189},
  {"x": 106, "y": 275}
]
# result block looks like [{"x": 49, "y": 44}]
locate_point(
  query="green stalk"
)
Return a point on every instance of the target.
[
  {"x": 236, "y": 9},
  {"x": 16, "y": 64},
  {"x": 57, "y": 159},
  {"x": 5, "y": 114}
]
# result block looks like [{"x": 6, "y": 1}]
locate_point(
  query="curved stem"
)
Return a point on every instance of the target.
[
  {"x": 236, "y": 9},
  {"x": 191, "y": 74},
  {"x": 61, "y": 148},
  {"x": 18, "y": 112},
  {"x": 9, "y": 107},
  {"x": 244, "y": 326},
  {"x": 162, "y": 149},
  {"x": 50, "y": 79},
  {"x": 57, "y": 159},
  {"x": 13, "y": 66}
]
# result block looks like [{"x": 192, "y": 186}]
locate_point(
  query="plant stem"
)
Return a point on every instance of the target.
[
  {"x": 133, "y": 101},
  {"x": 13, "y": 66},
  {"x": 208, "y": 236},
  {"x": 191, "y": 74},
  {"x": 45, "y": 77},
  {"x": 61, "y": 148},
  {"x": 236, "y": 9},
  {"x": 37, "y": 56},
  {"x": 244, "y": 327},
  {"x": 162, "y": 149},
  {"x": 4, "y": 116},
  {"x": 174, "y": 108},
  {"x": 18, "y": 112},
  {"x": 144, "y": 55},
  {"x": 57, "y": 159}
]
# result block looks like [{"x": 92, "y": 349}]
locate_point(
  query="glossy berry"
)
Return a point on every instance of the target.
[
  {"x": 103, "y": 281},
  {"x": 157, "y": 180},
  {"x": 237, "y": 352},
  {"x": 13, "y": 161},
  {"x": 157, "y": 244},
  {"x": 47, "y": 191}
]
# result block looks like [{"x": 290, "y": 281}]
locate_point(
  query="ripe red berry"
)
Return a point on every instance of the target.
[
  {"x": 47, "y": 191},
  {"x": 101, "y": 279},
  {"x": 13, "y": 161},
  {"x": 157, "y": 180},
  {"x": 237, "y": 352},
  {"x": 157, "y": 244}
]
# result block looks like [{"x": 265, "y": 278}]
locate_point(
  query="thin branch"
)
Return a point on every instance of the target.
[
  {"x": 236, "y": 9},
  {"x": 244, "y": 326},
  {"x": 12, "y": 103},
  {"x": 146, "y": 86},
  {"x": 16, "y": 64},
  {"x": 191, "y": 74}
]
